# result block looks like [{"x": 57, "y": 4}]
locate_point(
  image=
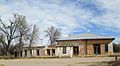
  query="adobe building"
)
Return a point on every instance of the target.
[
  {"x": 84, "y": 44},
  {"x": 75, "y": 45}
]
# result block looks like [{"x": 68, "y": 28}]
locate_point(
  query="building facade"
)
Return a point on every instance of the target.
[
  {"x": 76, "y": 45},
  {"x": 84, "y": 47},
  {"x": 84, "y": 44},
  {"x": 36, "y": 51}
]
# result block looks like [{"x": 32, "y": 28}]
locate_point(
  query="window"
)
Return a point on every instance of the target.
[
  {"x": 106, "y": 47},
  {"x": 64, "y": 50}
]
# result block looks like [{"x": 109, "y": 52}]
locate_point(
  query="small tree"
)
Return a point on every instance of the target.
[{"x": 52, "y": 33}]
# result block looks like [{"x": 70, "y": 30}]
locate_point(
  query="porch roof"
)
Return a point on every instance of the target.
[{"x": 85, "y": 36}]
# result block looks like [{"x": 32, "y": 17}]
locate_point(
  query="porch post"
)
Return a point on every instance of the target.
[
  {"x": 60, "y": 52},
  {"x": 86, "y": 47},
  {"x": 45, "y": 51},
  {"x": 50, "y": 52},
  {"x": 71, "y": 51},
  {"x": 23, "y": 53},
  {"x": 110, "y": 48}
]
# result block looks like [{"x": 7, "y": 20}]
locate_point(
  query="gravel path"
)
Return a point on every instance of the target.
[{"x": 55, "y": 61}]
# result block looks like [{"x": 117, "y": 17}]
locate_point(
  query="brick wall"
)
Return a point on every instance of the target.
[{"x": 90, "y": 49}]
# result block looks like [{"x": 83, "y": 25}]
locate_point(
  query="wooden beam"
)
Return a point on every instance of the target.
[{"x": 86, "y": 48}]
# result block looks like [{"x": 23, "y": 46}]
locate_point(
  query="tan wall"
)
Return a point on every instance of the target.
[
  {"x": 42, "y": 52},
  {"x": 82, "y": 49},
  {"x": 90, "y": 49},
  {"x": 57, "y": 51},
  {"x": 102, "y": 48}
]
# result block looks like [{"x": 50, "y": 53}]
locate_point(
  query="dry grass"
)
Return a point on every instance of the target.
[
  {"x": 1, "y": 64},
  {"x": 49, "y": 61},
  {"x": 114, "y": 63}
]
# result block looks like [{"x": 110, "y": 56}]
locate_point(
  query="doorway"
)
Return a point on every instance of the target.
[
  {"x": 97, "y": 49},
  {"x": 75, "y": 50},
  {"x": 25, "y": 52},
  {"x": 48, "y": 52},
  {"x": 53, "y": 52},
  {"x": 38, "y": 53}
]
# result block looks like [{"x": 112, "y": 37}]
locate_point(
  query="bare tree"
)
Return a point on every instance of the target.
[
  {"x": 22, "y": 31},
  {"x": 33, "y": 36},
  {"x": 9, "y": 33},
  {"x": 52, "y": 33},
  {"x": 2, "y": 45}
]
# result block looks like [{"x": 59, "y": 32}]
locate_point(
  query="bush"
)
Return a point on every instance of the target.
[{"x": 116, "y": 48}]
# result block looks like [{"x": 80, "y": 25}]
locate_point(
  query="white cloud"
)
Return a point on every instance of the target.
[
  {"x": 112, "y": 16},
  {"x": 66, "y": 16}
]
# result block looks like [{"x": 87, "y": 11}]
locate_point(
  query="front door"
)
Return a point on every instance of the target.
[{"x": 75, "y": 50}]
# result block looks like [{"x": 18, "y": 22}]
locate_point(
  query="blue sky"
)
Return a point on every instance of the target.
[{"x": 71, "y": 16}]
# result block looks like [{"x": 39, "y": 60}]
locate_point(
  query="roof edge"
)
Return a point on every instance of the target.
[{"x": 84, "y": 39}]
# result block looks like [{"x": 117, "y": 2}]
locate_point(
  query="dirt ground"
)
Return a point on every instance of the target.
[{"x": 78, "y": 61}]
